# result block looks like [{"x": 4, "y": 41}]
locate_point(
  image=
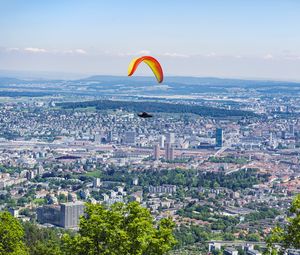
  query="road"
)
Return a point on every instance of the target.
[{"x": 239, "y": 168}]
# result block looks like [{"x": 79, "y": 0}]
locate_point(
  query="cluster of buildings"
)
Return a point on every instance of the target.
[
  {"x": 233, "y": 248},
  {"x": 52, "y": 160}
]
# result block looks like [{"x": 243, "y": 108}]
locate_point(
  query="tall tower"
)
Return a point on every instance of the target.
[
  {"x": 156, "y": 152},
  {"x": 170, "y": 138},
  {"x": 162, "y": 139},
  {"x": 169, "y": 151},
  {"x": 219, "y": 137},
  {"x": 70, "y": 214},
  {"x": 109, "y": 136},
  {"x": 292, "y": 129}
]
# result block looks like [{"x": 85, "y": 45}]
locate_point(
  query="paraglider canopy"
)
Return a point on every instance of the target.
[{"x": 151, "y": 62}]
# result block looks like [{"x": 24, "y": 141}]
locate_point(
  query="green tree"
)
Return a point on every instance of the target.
[
  {"x": 121, "y": 229},
  {"x": 62, "y": 198},
  {"x": 287, "y": 236},
  {"x": 228, "y": 237},
  {"x": 41, "y": 241},
  {"x": 11, "y": 236},
  {"x": 253, "y": 238}
]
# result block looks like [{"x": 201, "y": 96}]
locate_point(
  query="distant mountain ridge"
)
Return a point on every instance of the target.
[
  {"x": 106, "y": 85},
  {"x": 211, "y": 81}
]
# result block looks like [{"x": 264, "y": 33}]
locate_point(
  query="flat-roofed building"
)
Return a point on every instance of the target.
[
  {"x": 70, "y": 214},
  {"x": 293, "y": 252},
  {"x": 65, "y": 215},
  {"x": 49, "y": 214},
  {"x": 168, "y": 189},
  {"x": 253, "y": 252},
  {"x": 230, "y": 251}
]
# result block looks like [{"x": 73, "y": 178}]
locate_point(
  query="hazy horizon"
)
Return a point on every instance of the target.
[
  {"x": 232, "y": 39},
  {"x": 23, "y": 74}
]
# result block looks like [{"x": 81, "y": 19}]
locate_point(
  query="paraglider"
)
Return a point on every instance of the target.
[
  {"x": 151, "y": 62},
  {"x": 156, "y": 69},
  {"x": 145, "y": 115}
]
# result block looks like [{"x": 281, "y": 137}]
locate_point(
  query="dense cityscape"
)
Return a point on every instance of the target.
[
  {"x": 149, "y": 127},
  {"x": 226, "y": 177}
]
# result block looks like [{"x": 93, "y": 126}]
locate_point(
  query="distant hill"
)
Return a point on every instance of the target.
[
  {"x": 104, "y": 85},
  {"x": 208, "y": 81},
  {"x": 176, "y": 85}
]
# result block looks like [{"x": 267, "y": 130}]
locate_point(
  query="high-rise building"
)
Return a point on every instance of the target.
[
  {"x": 162, "y": 139},
  {"x": 97, "y": 138},
  {"x": 219, "y": 137},
  {"x": 70, "y": 213},
  {"x": 271, "y": 138},
  {"x": 169, "y": 151},
  {"x": 156, "y": 152},
  {"x": 129, "y": 137},
  {"x": 170, "y": 138},
  {"x": 97, "y": 183},
  {"x": 292, "y": 129},
  {"x": 109, "y": 136},
  {"x": 30, "y": 175},
  {"x": 49, "y": 214},
  {"x": 65, "y": 215}
]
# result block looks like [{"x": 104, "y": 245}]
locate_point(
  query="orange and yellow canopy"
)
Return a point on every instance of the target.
[{"x": 151, "y": 62}]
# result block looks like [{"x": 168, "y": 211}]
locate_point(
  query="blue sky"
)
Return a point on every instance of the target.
[{"x": 232, "y": 38}]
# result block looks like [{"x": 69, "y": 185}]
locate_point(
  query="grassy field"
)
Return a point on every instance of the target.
[{"x": 95, "y": 174}]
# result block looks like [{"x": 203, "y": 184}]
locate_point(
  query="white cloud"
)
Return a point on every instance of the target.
[
  {"x": 268, "y": 56},
  {"x": 69, "y": 51},
  {"x": 143, "y": 52},
  {"x": 176, "y": 55},
  {"x": 65, "y": 51},
  {"x": 138, "y": 53},
  {"x": 212, "y": 54},
  {"x": 291, "y": 56},
  {"x": 50, "y": 51},
  {"x": 80, "y": 51},
  {"x": 35, "y": 50},
  {"x": 12, "y": 49}
]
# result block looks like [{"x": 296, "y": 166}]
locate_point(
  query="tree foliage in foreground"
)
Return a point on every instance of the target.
[
  {"x": 11, "y": 236},
  {"x": 288, "y": 236},
  {"x": 122, "y": 229},
  {"x": 41, "y": 241}
]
